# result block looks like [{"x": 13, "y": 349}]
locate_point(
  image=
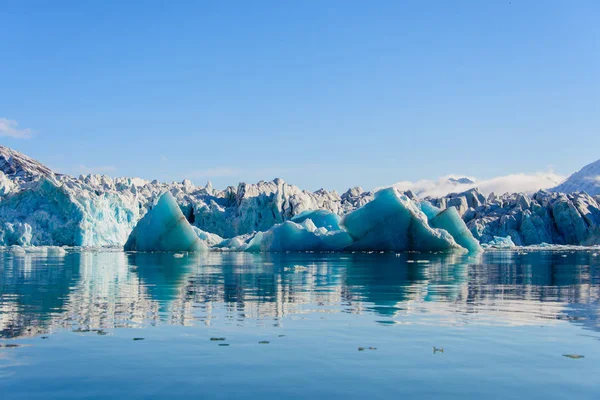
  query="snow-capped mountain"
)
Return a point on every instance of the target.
[
  {"x": 17, "y": 166},
  {"x": 587, "y": 179}
]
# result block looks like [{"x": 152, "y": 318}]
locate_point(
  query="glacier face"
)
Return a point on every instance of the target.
[
  {"x": 544, "y": 217},
  {"x": 38, "y": 207}
]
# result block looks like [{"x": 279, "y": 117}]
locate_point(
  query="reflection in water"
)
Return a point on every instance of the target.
[{"x": 100, "y": 290}]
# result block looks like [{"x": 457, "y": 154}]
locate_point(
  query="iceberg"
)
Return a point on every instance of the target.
[
  {"x": 290, "y": 236},
  {"x": 320, "y": 218},
  {"x": 499, "y": 242},
  {"x": 393, "y": 222},
  {"x": 164, "y": 228},
  {"x": 450, "y": 221}
]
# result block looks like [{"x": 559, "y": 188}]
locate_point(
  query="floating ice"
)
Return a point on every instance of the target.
[
  {"x": 290, "y": 236},
  {"x": 164, "y": 228},
  {"x": 321, "y": 219},
  {"x": 393, "y": 222},
  {"x": 450, "y": 221},
  {"x": 500, "y": 243}
]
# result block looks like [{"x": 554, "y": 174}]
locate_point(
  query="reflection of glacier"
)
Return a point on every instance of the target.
[{"x": 102, "y": 290}]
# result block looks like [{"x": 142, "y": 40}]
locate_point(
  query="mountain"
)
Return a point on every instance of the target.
[
  {"x": 19, "y": 167},
  {"x": 461, "y": 181},
  {"x": 587, "y": 179}
]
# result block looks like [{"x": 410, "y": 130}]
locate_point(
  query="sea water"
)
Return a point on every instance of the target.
[{"x": 114, "y": 325}]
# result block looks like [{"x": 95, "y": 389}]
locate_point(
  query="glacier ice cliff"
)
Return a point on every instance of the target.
[
  {"x": 544, "y": 217},
  {"x": 164, "y": 228},
  {"x": 41, "y": 208}
]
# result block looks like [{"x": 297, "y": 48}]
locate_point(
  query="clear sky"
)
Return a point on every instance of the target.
[{"x": 321, "y": 93}]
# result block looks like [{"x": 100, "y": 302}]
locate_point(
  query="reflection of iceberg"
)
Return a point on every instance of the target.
[
  {"x": 162, "y": 274},
  {"x": 164, "y": 228},
  {"x": 97, "y": 290},
  {"x": 37, "y": 287}
]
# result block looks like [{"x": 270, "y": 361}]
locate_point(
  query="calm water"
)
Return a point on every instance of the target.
[{"x": 339, "y": 326}]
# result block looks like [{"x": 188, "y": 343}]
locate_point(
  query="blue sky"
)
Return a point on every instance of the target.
[{"x": 323, "y": 94}]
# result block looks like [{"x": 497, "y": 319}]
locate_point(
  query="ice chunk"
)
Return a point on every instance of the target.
[
  {"x": 164, "y": 228},
  {"x": 450, "y": 221},
  {"x": 429, "y": 209},
  {"x": 289, "y": 236},
  {"x": 210, "y": 239},
  {"x": 321, "y": 219},
  {"x": 395, "y": 223},
  {"x": 500, "y": 242},
  {"x": 334, "y": 240}
]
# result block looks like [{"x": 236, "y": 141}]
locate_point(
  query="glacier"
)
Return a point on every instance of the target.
[{"x": 41, "y": 208}]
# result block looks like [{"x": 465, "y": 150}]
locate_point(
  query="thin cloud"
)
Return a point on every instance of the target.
[
  {"x": 10, "y": 128},
  {"x": 526, "y": 183}
]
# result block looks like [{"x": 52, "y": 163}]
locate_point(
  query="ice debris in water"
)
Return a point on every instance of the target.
[
  {"x": 500, "y": 243},
  {"x": 164, "y": 228}
]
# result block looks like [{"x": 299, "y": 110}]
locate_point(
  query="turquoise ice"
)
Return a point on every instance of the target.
[
  {"x": 450, "y": 221},
  {"x": 321, "y": 219},
  {"x": 393, "y": 222},
  {"x": 164, "y": 228}
]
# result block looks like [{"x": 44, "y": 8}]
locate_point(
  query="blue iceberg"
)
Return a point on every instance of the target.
[
  {"x": 290, "y": 236},
  {"x": 321, "y": 219},
  {"x": 450, "y": 221},
  {"x": 164, "y": 228},
  {"x": 393, "y": 222}
]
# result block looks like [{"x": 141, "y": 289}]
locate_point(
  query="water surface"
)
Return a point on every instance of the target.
[{"x": 111, "y": 324}]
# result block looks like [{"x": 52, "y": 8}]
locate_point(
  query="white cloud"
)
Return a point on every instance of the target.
[
  {"x": 10, "y": 128},
  {"x": 527, "y": 183}
]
